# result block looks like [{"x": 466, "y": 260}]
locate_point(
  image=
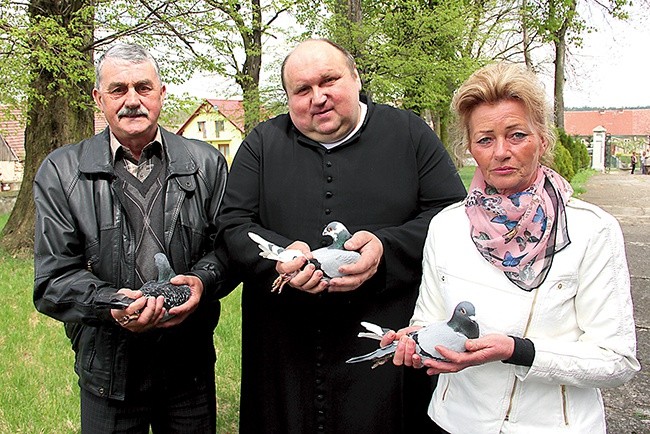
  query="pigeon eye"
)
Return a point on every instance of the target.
[{"x": 463, "y": 311}]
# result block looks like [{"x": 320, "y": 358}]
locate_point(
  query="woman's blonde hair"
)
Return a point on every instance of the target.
[{"x": 495, "y": 83}]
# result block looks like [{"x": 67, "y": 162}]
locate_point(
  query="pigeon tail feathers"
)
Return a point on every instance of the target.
[
  {"x": 379, "y": 356},
  {"x": 269, "y": 250}
]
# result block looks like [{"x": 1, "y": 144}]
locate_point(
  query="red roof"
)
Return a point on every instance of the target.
[
  {"x": 232, "y": 110},
  {"x": 618, "y": 122},
  {"x": 13, "y": 129}
]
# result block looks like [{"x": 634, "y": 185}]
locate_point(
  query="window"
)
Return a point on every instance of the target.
[
  {"x": 225, "y": 150},
  {"x": 201, "y": 125},
  {"x": 219, "y": 127}
]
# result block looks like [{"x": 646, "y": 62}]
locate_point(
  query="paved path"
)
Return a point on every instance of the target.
[{"x": 627, "y": 197}]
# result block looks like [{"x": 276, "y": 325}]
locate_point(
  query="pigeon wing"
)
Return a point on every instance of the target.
[
  {"x": 331, "y": 259},
  {"x": 439, "y": 333},
  {"x": 374, "y": 331}
]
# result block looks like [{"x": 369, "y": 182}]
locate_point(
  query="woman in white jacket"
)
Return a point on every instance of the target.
[{"x": 546, "y": 272}]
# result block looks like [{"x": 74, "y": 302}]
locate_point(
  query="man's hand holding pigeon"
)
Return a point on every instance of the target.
[
  {"x": 141, "y": 315},
  {"x": 308, "y": 279},
  {"x": 179, "y": 313},
  {"x": 371, "y": 250}
]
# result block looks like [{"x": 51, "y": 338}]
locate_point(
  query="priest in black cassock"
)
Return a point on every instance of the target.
[{"x": 383, "y": 173}]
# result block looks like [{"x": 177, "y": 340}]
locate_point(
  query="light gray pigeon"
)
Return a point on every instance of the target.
[
  {"x": 328, "y": 259},
  {"x": 174, "y": 295},
  {"x": 451, "y": 334}
]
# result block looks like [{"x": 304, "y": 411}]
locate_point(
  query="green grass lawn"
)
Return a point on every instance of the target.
[{"x": 466, "y": 173}]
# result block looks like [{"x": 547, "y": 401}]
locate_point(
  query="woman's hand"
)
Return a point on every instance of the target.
[
  {"x": 405, "y": 353},
  {"x": 489, "y": 348}
]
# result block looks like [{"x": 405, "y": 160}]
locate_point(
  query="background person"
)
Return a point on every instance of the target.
[
  {"x": 383, "y": 173},
  {"x": 104, "y": 207},
  {"x": 546, "y": 272},
  {"x": 643, "y": 163}
]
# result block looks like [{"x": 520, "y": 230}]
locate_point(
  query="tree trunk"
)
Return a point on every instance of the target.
[
  {"x": 558, "y": 89},
  {"x": 58, "y": 113},
  {"x": 559, "y": 63},
  {"x": 249, "y": 79},
  {"x": 525, "y": 38},
  {"x": 348, "y": 30}
]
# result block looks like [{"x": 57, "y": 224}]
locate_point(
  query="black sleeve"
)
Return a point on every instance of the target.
[{"x": 524, "y": 352}]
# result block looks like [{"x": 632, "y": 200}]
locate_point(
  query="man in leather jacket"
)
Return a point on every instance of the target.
[{"x": 104, "y": 207}]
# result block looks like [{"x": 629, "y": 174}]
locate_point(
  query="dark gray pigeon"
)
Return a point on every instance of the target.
[
  {"x": 174, "y": 295},
  {"x": 451, "y": 334},
  {"x": 328, "y": 259}
]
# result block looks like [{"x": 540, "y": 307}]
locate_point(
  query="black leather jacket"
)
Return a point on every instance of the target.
[{"x": 83, "y": 247}]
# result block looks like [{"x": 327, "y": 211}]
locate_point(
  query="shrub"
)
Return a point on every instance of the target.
[
  {"x": 578, "y": 151},
  {"x": 562, "y": 163}
]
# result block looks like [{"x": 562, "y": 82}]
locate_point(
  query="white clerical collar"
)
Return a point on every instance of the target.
[{"x": 363, "y": 108}]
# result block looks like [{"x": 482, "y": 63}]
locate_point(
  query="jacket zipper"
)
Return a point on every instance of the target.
[
  {"x": 444, "y": 394},
  {"x": 565, "y": 404},
  {"x": 514, "y": 384}
]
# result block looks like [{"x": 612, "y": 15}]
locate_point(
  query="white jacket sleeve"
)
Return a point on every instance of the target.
[{"x": 605, "y": 353}]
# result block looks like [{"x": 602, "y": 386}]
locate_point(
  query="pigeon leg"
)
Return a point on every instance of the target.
[
  {"x": 281, "y": 280},
  {"x": 381, "y": 361}
]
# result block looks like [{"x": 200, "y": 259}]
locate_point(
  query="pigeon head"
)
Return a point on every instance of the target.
[
  {"x": 463, "y": 320},
  {"x": 338, "y": 232},
  {"x": 165, "y": 272}
]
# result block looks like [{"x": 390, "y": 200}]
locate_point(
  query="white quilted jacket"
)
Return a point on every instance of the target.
[{"x": 580, "y": 321}]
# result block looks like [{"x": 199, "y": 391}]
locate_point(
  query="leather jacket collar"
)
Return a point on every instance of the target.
[{"x": 97, "y": 157}]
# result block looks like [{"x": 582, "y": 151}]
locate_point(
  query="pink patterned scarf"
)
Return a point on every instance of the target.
[{"x": 520, "y": 233}]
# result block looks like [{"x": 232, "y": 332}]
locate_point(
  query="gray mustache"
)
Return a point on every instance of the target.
[{"x": 132, "y": 112}]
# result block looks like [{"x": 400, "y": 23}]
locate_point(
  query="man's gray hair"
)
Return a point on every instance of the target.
[{"x": 133, "y": 53}]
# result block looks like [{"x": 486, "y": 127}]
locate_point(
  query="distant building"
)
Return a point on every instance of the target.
[
  {"x": 12, "y": 145},
  {"x": 628, "y": 129},
  {"x": 12, "y": 149},
  {"x": 219, "y": 122}
]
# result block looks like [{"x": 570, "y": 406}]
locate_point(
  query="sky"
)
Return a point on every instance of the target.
[{"x": 610, "y": 70}]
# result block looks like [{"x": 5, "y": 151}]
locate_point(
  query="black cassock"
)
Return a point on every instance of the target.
[{"x": 390, "y": 178}]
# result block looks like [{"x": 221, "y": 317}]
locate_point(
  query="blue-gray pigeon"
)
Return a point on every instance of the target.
[
  {"x": 327, "y": 259},
  {"x": 451, "y": 334},
  {"x": 174, "y": 295}
]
